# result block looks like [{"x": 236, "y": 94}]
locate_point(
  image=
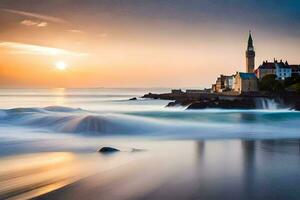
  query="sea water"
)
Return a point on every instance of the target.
[
  {"x": 109, "y": 112},
  {"x": 248, "y": 148}
]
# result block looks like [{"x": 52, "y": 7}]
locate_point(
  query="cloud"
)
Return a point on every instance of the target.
[
  {"x": 36, "y": 15},
  {"x": 75, "y": 31},
  {"x": 30, "y": 49},
  {"x": 42, "y": 24},
  {"x": 28, "y": 22}
]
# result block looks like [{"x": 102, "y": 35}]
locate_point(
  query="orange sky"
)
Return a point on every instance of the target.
[{"x": 159, "y": 53}]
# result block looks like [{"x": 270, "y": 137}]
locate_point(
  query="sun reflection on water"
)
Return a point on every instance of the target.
[
  {"x": 35, "y": 173},
  {"x": 31, "y": 175},
  {"x": 59, "y": 94}
]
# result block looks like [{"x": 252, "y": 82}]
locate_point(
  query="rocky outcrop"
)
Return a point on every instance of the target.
[
  {"x": 216, "y": 100},
  {"x": 291, "y": 100},
  {"x": 180, "y": 97},
  {"x": 225, "y": 104}
]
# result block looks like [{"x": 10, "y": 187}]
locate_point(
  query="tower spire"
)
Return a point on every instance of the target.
[
  {"x": 250, "y": 55},
  {"x": 250, "y": 40}
]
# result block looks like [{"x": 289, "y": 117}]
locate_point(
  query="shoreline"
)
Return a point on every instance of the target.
[{"x": 229, "y": 100}]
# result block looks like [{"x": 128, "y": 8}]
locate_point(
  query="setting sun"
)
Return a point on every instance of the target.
[{"x": 61, "y": 65}]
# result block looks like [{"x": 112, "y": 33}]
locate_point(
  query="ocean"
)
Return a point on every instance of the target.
[{"x": 49, "y": 140}]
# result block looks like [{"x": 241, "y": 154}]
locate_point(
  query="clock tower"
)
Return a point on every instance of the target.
[{"x": 250, "y": 55}]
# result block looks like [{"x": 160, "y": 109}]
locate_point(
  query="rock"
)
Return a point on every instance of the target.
[
  {"x": 154, "y": 96},
  {"x": 291, "y": 100},
  {"x": 172, "y": 104},
  {"x": 133, "y": 99},
  {"x": 297, "y": 105},
  {"x": 198, "y": 105},
  {"x": 223, "y": 104},
  {"x": 224, "y": 101},
  {"x": 185, "y": 102},
  {"x": 107, "y": 150}
]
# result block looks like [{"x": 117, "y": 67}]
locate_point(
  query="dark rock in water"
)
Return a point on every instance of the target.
[
  {"x": 172, "y": 104},
  {"x": 224, "y": 104},
  {"x": 297, "y": 106},
  {"x": 291, "y": 101},
  {"x": 186, "y": 102},
  {"x": 157, "y": 96},
  {"x": 107, "y": 150},
  {"x": 198, "y": 105},
  {"x": 133, "y": 99}
]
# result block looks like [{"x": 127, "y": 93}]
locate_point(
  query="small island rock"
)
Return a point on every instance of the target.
[{"x": 106, "y": 150}]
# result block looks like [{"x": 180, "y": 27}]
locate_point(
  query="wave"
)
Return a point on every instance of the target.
[
  {"x": 48, "y": 108},
  {"x": 166, "y": 124},
  {"x": 70, "y": 120}
]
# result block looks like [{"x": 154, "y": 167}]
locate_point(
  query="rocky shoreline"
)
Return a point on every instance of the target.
[{"x": 225, "y": 101}]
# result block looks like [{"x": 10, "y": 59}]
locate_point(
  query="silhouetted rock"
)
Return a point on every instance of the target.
[
  {"x": 221, "y": 100},
  {"x": 225, "y": 104},
  {"x": 198, "y": 105},
  {"x": 172, "y": 104},
  {"x": 133, "y": 99},
  {"x": 291, "y": 100},
  {"x": 107, "y": 150}
]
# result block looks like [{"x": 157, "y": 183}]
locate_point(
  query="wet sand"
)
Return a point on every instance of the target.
[
  {"x": 30, "y": 175},
  {"x": 215, "y": 169}
]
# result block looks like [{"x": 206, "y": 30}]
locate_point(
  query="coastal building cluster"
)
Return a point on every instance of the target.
[{"x": 247, "y": 82}]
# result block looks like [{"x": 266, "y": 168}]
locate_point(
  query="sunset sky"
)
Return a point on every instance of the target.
[{"x": 140, "y": 43}]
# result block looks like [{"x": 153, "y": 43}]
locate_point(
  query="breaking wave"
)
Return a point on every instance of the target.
[
  {"x": 169, "y": 124},
  {"x": 69, "y": 120}
]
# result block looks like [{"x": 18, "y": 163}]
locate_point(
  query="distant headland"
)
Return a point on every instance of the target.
[{"x": 272, "y": 85}]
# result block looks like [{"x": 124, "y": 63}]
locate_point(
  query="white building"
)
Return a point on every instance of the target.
[{"x": 283, "y": 70}]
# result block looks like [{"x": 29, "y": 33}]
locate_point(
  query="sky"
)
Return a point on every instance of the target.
[{"x": 140, "y": 43}]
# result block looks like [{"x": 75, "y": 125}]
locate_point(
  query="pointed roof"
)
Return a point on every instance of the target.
[
  {"x": 250, "y": 40},
  {"x": 282, "y": 65},
  {"x": 267, "y": 65}
]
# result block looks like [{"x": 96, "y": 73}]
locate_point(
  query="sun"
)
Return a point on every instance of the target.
[{"x": 61, "y": 65}]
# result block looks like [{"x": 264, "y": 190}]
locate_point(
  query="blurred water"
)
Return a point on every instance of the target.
[
  {"x": 91, "y": 99},
  {"x": 250, "y": 148},
  {"x": 36, "y": 114}
]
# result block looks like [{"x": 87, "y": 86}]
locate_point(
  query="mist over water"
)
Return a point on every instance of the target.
[
  {"x": 109, "y": 113},
  {"x": 70, "y": 125}
]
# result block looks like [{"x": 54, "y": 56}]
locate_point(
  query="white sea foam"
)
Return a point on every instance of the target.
[{"x": 163, "y": 124}]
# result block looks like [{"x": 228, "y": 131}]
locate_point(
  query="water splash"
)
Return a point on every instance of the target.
[{"x": 266, "y": 104}]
